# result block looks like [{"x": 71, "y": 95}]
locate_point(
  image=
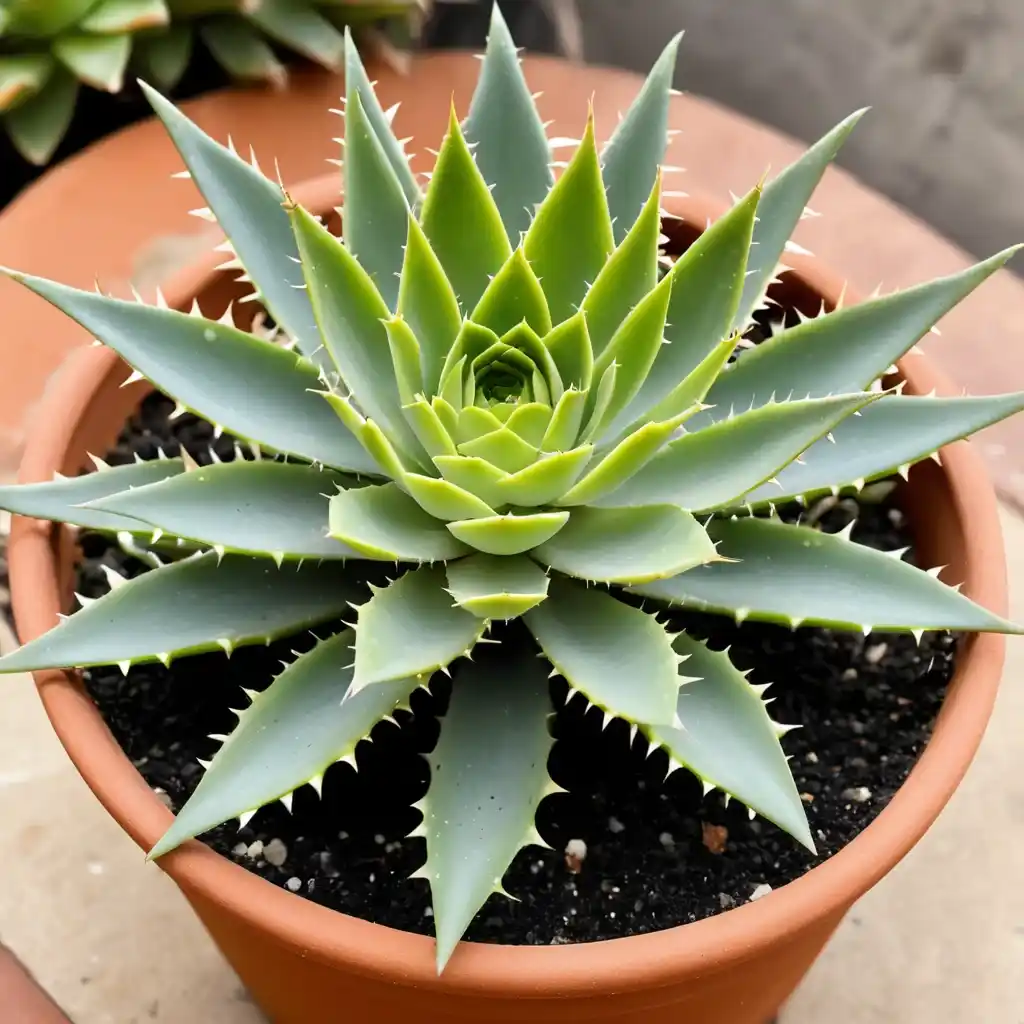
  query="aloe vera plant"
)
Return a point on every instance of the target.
[
  {"x": 502, "y": 434},
  {"x": 50, "y": 48}
]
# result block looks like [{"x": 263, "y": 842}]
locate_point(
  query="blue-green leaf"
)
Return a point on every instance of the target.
[
  {"x": 488, "y": 775},
  {"x": 507, "y": 134},
  {"x": 619, "y": 657},
  {"x": 260, "y": 761},
  {"x": 728, "y": 740},
  {"x": 249, "y": 209},
  {"x": 254, "y": 389},
  {"x": 198, "y": 604},
  {"x": 633, "y": 155},
  {"x": 793, "y": 574}
]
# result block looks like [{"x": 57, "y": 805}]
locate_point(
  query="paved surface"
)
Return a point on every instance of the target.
[
  {"x": 940, "y": 941},
  {"x": 945, "y": 137}
]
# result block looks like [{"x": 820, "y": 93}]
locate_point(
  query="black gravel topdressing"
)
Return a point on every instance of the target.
[{"x": 866, "y": 705}]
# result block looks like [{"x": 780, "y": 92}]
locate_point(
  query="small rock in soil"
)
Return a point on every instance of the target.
[
  {"x": 575, "y": 855},
  {"x": 293, "y": 884},
  {"x": 275, "y": 852},
  {"x": 714, "y": 837},
  {"x": 760, "y": 892},
  {"x": 858, "y": 794}
]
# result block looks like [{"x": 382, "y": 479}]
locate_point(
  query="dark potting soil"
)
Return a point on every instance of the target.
[{"x": 654, "y": 858}]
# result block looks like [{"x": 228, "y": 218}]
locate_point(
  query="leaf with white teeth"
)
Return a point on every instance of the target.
[
  {"x": 618, "y": 656},
  {"x": 894, "y": 432},
  {"x": 248, "y": 208},
  {"x": 488, "y": 776},
  {"x": 261, "y": 762},
  {"x": 781, "y": 207},
  {"x": 261, "y": 508},
  {"x": 712, "y": 467},
  {"x": 728, "y": 740},
  {"x": 253, "y": 388},
  {"x": 507, "y": 134},
  {"x": 632, "y": 158},
  {"x": 60, "y": 500},
  {"x": 411, "y": 628},
  {"x": 786, "y": 574},
  {"x": 845, "y": 350},
  {"x": 189, "y": 607}
]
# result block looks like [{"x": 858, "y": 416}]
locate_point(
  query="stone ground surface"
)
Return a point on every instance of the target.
[{"x": 940, "y": 941}]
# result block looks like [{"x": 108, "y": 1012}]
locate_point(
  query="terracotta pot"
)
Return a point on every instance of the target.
[
  {"x": 24, "y": 1001},
  {"x": 304, "y": 963}
]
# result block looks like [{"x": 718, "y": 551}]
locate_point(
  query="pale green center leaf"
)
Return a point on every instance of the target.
[
  {"x": 509, "y": 534},
  {"x": 627, "y": 545},
  {"x": 411, "y": 628},
  {"x": 495, "y": 587}
]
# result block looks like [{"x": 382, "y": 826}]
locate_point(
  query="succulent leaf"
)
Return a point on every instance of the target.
[
  {"x": 254, "y": 389},
  {"x": 37, "y": 124},
  {"x": 728, "y": 740},
  {"x": 570, "y": 347},
  {"x": 547, "y": 479},
  {"x": 510, "y": 534},
  {"x": 627, "y": 545},
  {"x": 633, "y": 350},
  {"x": 623, "y": 462},
  {"x": 99, "y": 61},
  {"x": 461, "y": 220},
  {"x": 488, "y": 776},
  {"x": 249, "y": 209},
  {"x": 706, "y": 282},
  {"x": 376, "y": 214},
  {"x": 503, "y": 448},
  {"x": 847, "y": 349},
  {"x": 258, "y": 508},
  {"x": 240, "y": 49},
  {"x": 429, "y": 428},
  {"x": 475, "y": 475},
  {"x": 60, "y": 500},
  {"x": 383, "y": 523},
  {"x": 445, "y": 500},
  {"x": 163, "y": 57},
  {"x": 493, "y": 587},
  {"x": 199, "y": 604},
  {"x": 301, "y": 28},
  {"x": 632, "y": 159},
  {"x": 513, "y": 295},
  {"x": 793, "y": 574},
  {"x": 507, "y": 134},
  {"x": 411, "y": 629},
  {"x": 627, "y": 276},
  {"x": 358, "y": 83},
  {"x": 619, "y": 657},
  {"x": 564, "y": 427},
  {"x": 571, "y": 237},
  {"x": 428, "y": 304},
  {"x": 260, "y": 761},
  {"x": 713, "y": 467},
  {"x": 894, "y": 432},
  {"x": 350, "y": 312},
  {"x": 779, "y": 211}
]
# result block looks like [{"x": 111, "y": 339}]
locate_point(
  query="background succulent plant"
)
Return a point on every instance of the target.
[
  {"x": 499, "y": 391},
  {"x": 49, "y": 48}
]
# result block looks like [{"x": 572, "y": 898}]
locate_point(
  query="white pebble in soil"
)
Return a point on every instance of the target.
[
  {"x": 858, "y": 794},
  {"x": 667, "y": 840},
  {"x": 293, "y": 884},
  {"x": 875, "y": 653},
  {"x": 615, "y": 826},
  {"x": 240, "y": 849},
  {"x": 275, "y": 852},
  {"x": 255, "y": 849},
  {"x": 575, "y": 855},
  {"x": 760, "y": 892}
]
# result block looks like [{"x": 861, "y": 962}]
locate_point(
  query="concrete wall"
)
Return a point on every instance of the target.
[{"x": 945, "y": 79}]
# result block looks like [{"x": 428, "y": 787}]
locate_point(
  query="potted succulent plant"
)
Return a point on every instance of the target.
[
  {"x": 49, "y": 51},
  {"x": 502, "y": 445}
]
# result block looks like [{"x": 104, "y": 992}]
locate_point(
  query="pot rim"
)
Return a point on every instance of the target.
[{"x": 593, "y": 969}]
